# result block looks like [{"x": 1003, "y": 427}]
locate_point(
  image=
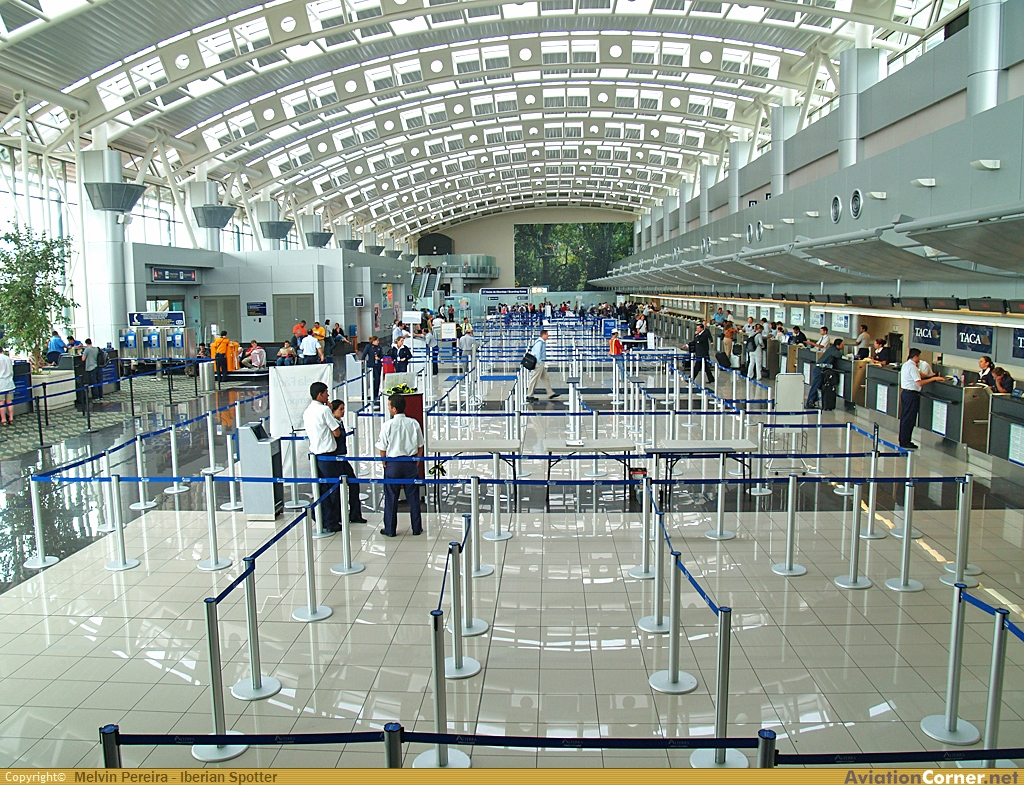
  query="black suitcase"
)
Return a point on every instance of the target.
[
  {"x": 723, "y": 359},
  {"x": 829, "y": 387}
]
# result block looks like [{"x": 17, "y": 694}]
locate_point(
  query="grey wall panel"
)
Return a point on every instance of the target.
[
  {"x": 915, "y": 161},
  {"x": 1013, "y": 41},
  {"x": 814, "y": 142},
  {"x": 996, "y": 135}
]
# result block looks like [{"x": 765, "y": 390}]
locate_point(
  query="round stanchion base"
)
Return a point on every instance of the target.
[
  {"x": 968, "y": 581},
  {"x": 294, "y": 506},
  {"x": 705, "y": 759},
  {"x": 323, "y": 534},
  {"x": 872, "y": 535},
  {"x": 660, "y": 682},
  {"x": 211, "y": 753},
  {"x": 304, "y": 614},
  {"x": 895, "y": 584},
  {"x": 725, "y": 534},
  {"x": 244, "y": 690},
  {"x": 970, "y": 569},
  {"x": 915, "y": 534},
  {"x": 759, "y": 490},
  {"x": 843, "y": 490},
  {"x": 789, "y": 572},
  {"x": 524, "y": 475},
  {"x": 483, "y": 571},
  {"x": 975, "y": 764},
  {"x": 638, "y": 573},
  {"x": 428, "y": 760},
  {"x": 116, "y": 566},
  {"x": 593, "y": 474},
  {"x": 35, "y": 563},
  {"x": 213, "y": 565},
  {"x": 650, "y": 624},
  {"x": 146, "y": 505},
  {"x": 476, "y": 627},
  {"x": 215, "y": 469},
  {"x": 229, "y": 507},
  {"x": 354, "y": 569},
  {"x": 499, "y": 537},
  {"x": 844, "y": 582},
  {"x": 470, "y": 667},
  {"x": 816, "y": 472},
  {"x": 174, "y": 490},
  {"x": 964, "y": 735},
  {"x": 105, "y": 528}
]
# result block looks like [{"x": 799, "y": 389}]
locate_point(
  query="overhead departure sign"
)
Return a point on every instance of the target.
[
  {"x": 173, "y": 275},
  {"x": 156, "y": 318}
]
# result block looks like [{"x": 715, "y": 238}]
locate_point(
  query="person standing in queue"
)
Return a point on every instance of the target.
[
  {"x": 310, "y": 351},
  {"x": 93, "y": 373},
  {"x": 400, "y": 437},
  {"x": 617, "y": 351},
  {"x": 430, "y": 339},
  {"x": 700, "y": 346},
  {"x": 355, "y": 505},
  {"x": 219, "y": 349},
  {"x": 371, "y": 362},
  {"x": 401, "y": 354},
  {"x": 323, "y": 431},
  {"x": 910, "y": 397}
]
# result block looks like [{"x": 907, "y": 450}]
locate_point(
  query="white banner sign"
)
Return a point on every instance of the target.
[{"x": 289, "y": 397}]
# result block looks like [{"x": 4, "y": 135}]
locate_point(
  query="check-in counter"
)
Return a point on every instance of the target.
[
  {"x": 773, "y": 357},
  {"x": 960, "y": 414},
  {"x": 806, "y": 360},
  {"x": 882, "y": 389},
  {"x": 792, "y": 352},
  {"x": 857, "y": 392},
  {"x": 1006, "y": 428},
  {"x": 844, "y": 368}
]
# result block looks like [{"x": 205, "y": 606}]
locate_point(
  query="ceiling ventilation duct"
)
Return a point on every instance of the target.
[
  {"x": 351, "y": 245},
  {"x": 213, "y": 216},
  {"x": 114, "y": 197},
  {"x": 373, "y": 250},
  {"x": 318, "y": 239},
  {"x": 276, "y": 230}
]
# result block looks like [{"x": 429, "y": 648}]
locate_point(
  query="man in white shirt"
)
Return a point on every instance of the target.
[
  {"x": 430, "y": 339},
  {"x": 468, "y": 345},
  {"x": 400, "y": 437},
  {"x": 310, "y": 351},
  {"x": 910, "y": 397},
  {"x": 539, "y": 374},
  {"x": 823, "y": 341},
  {"x": 323, "y": 430}
]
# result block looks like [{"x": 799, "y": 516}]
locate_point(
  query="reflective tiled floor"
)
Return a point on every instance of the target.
[{"x": 830, "y": 670}]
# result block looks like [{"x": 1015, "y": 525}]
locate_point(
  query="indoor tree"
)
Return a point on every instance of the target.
[{"x": 32, "y": 271}]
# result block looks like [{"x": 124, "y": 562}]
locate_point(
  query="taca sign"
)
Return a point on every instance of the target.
[
  {"x": 927, "y": 332},
  {"x": 974, "y": 338}
]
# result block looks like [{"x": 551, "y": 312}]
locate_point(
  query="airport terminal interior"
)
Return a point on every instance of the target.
[{"x": 713, "y": 315}]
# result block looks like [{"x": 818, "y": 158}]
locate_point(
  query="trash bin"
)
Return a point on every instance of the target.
[
  {"x": 636, "y": 492},
  {"x": 206, "y": 377}
]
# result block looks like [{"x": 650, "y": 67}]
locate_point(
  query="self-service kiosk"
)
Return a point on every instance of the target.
[{"x": 260, "y": 456}]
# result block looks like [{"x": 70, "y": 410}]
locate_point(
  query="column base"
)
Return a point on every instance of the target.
[
  {"x": 705, "y": 759},
  {"x": 714, "y": 534},
  {"x": 898, "y": 533},
  {"x": 968, "y": 581},
  {"x": 211, "y": 753},
  {"x": 105, "y": 528},
  {"x": 174, "y": 490},
  {"x": 501, "y": 536},
  {"x": 476, "y": 627},
  {"x": 215, "y": 469},
  {"x": 872, "y": 535},
  {"x": 970, "y": 569},
  {"x": 895, "y": 584},
  {"x": 650, "y": 624},
  {"x": 304, "y": 614},
  {"x": 35, "y": 563},
  {"x": 142, "y": 505},
  {"x": 843, "y": 490},
  {"x": 965, "y": 733},
  {"x": 470, "y": 667},
  {"x": 483, "y": 571},
  {"x": 116, "y": 566},
  {"x": 789, "y": 572},
  {"x": 760, "y": 490},
  {"x": 322, "y": 534},
  {"x": 244, "y": 690},
  {"x": 428, "y": 760},
  {"x": 213, "y": 565},
  {"x": 639, "y": 573},
  {"x": 844, "y": 582},
  {"x": 354, "y": 569},
  {"x": 231, "y": 507},
  {"x": 660, "y": 682}
]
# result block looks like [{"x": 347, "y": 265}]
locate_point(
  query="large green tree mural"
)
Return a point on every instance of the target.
[{"x": 564, "y": 257}]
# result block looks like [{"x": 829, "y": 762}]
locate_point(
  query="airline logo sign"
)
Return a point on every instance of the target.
[
  {"x": 928, "y": 333},
  {"x": 974, "y": 338},
  {"x": 1018, "y": 344}
]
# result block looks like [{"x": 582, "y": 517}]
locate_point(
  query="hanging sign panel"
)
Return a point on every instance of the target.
[
  {"x": 927, "y": 332},
  {"x": 974, "y": 338},
  {"x": 1018, "y": 344}
]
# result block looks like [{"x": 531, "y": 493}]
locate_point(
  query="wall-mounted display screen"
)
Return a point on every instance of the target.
[
  {"x": 564, "y": 257},
  {"x": 987, "y": 305},
  {"x": 913, "y": 302},
  {"x": 944, "y": 303}
]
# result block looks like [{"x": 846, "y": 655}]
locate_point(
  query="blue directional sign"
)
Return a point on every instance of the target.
[{"x": 156, "y": 318}]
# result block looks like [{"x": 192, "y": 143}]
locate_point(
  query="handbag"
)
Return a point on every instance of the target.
[{"x": 529, "y": 361}]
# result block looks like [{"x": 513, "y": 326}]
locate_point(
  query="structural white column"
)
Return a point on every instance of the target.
[
  {"x": 707, "y": 179},
  {"x": 645, "y": 231},
  {"x": 266, "y": 210},
  {"x": 685, "y": 195},
  {"x": 637, "y": 236},
  {"x": 985, "y": 50},
  {"x": 859, "y": 69},
  {"x": 104, "y": 252},
  {"x": 784, "y": 124},
  {"x": 739, "y": 155},
  {"x": 310, "y": 223},
  {"x": 670, "y": 210}
]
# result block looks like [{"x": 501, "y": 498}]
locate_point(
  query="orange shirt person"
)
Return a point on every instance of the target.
[{"x": 219, "y": 349}]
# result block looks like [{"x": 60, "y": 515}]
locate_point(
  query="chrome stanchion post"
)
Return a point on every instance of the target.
[
  {"x": 214, "y": 563},
  {"x": 123, "y": 562},
  {"x": 870, "y": 533},
  {"x": 656, "y": 623},
  {"x": 479, "y": 570},
  {"x": 995, "y": 689},
  {"x": 907, "y": 525},
  {"x": 144, "y": 502},
  {"x": 596, "y": 471},
  {"x": 644, "y": 571},
  {"x": 347, "y": 566},
  {"x": 471, "y": 626},
  {"x": 496, "y": 534},
  {"x": 178, "y": 486},
  {"x": 722, "y": 757},
  {"x": 458, "y": 666},
  {"x": 320, "y": 531},
  {"x": 854, "y": 580},
  {"x": 674, "y": 681},
  {"x": 106, "y": 524},
  {"x": 211, "y": 438},
  {"x": 766, "y": 749},
  {"x": 213, "y": 753},
  {"x": 948, "y": 728},
  {"x": 393, "y": 745},
  {"x": 40, "y": 560},
  {"x": 110, "y": 744},
  {"x": 294, "y": 503},
  {"x": 312, "y": 611},
  {"x": 440, "y": 757},
  {"x": 960, "y": 571},
  {"x": 790, "y": 569},
  {"x": 905, "y": 583},
  {"x": 760, "y": 488},
  {"x": 257, "y": 686},
  {"x": 816, "y": 469},
  {"x": 845, "y": 489},
  {"x": 234, "y": 505},
  {"x": 720, "y": 532}
]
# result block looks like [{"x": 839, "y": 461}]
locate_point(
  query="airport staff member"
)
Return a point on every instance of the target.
[
  {"x": 322, "y": 430},
  {"x": 219, "y": 349},
  {"x": 400, "y": 437},
  {"x": 371, "y": 361},
  {"x": 910, "y": 397}
]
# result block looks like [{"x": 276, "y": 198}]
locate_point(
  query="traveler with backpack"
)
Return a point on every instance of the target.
[{"x": 825, "y": 362}]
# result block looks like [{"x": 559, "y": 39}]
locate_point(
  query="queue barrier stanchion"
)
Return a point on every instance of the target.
[
  {"x": 346, "y": 566},
  {"x": 957, "y": 571},
  {"x": 393, "y": 745},
  {"x": 898, "y": 531},
  {"x": 471, "y": 626},
  {"x": 458, "y": 666},
  {"x": 211, "y": 439},
  {"x": 178, "y": 486},
  {"x": 320, "y": 531},
  {"x": 846, "y": 489},
  {"x": 817, "y": 470},
  {"x": 720, "y": 533},
  {"x": 106, "y": 524},
  {"x": 948, "y": 728},
  {"x": 497, "y": 534},
  {"x": 760, "y": 488},
  {"x": 854, "y": 580},
  {"x": 721, "y": 757},
  {"x": 994, "y": 706},
  {"x": 110, "y": 745},
  {"x": 479, "y": 570},
  {"x": 870, "y": 532},
  {"x": 312, "y": 611},
  {"x": 123, "y": 561},
  {"x": 40, "y": 560},
  {"x": 789, "y": 568},
  {"x": 674, "y": 681},
  {"x": 905, "y": 583},
  {"x": 656, "y": 623},
  {"x": 643, "y": 572},
  {"x": 257, "y": 686},
  {"x": 234, "y": 505},
  {"x": 215, "y": 753},
  {"x": 145, "y": 502},
  {"x": 766, "y": 749},
  {"x": 214, "y": 563},
  {"x": 294, "y": 503},
  {"x": 441, "y": 757}
]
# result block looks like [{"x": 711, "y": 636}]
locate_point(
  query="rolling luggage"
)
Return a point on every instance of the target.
[
  {"x": 829, "y": 389},
  {"x": 723, "y": 359}
]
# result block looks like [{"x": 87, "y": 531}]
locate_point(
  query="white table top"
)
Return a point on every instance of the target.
[
  {"x": 589, "y": 445},
  {"x": 475, "y": 445},
  {"x": 700, "y": 447}
]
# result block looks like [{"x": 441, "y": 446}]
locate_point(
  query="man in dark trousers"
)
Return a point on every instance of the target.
[
  {"x": 355, "y": 505},
  {"x": 400, "y": 437},
  {"x": 827, "y": 361},
  {"x": 910, "y": 397},
  {"x": 700, "y": 347},
  {"x": 371, "y": 361},
  {"x": 323, "y": 431}
]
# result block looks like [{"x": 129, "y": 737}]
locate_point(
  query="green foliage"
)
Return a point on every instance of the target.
[
  {"x": 564, "y": 257},
  {"x": 32, "y": 270}
]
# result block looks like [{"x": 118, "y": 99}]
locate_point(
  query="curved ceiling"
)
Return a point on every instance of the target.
[{"x": 406, "y": 116}]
